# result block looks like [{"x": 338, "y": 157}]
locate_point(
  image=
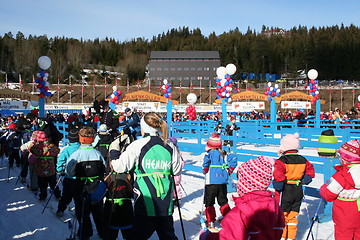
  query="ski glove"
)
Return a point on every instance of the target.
[
  {"x": 306, "y": 179},
  {"x": 278, "y": 185},
  {"x": 205, "y": 170}
]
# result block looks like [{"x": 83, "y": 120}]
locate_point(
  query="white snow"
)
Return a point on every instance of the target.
[{"x": 21, "y": 217}]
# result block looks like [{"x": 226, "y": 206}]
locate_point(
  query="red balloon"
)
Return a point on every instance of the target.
[
  {"x": 166, "y": 86},
  {"x": 39, "y": 86},
  {"x": 228, "y": 78},
  {"x": 41, "y": 95},
  {"x": 116, "y": 102},
  {"x": 46, "y": 88},
  {"x": 218, "y": 83},
  {"x": 119, "y": 92},
  {"x": 230, "y": 85}
]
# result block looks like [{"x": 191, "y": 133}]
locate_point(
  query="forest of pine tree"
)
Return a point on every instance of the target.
[{"x": 333, "y": 51}]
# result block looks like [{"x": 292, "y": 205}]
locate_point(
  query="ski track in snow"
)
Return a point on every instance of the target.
[{"x": 21, "y": 217}]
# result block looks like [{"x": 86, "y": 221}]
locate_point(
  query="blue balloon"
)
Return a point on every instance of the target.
[
  {"x": 218, "y": 97},
  {"x": 269, "y": 92},
  {"x": 169, "y": 84},
  {"x": 269, "y": 98},
  {"x": 218, "y": 80},
  {"x": 227, "y": 75},
  {"x": 43, "y": 83},
  {"x": 277, "y": 94},
  {"x": 42, "y": 73},
  {"x": 166, "y": 95},
  {"x": 116, "y": 93},
  {"x": 312, "y": 94},
  {"x": 231, "y": 81},
  {"x": 169, "y": 90},
  {"x": 48, "y": 94}
]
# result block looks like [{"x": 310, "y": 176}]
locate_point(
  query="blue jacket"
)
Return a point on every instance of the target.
[
  {"x": 85, "y": 153},
  {"x": 65, "y": 155},
  {"x": 217, "y": 173}
]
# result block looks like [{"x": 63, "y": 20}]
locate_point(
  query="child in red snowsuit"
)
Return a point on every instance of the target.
[{"x": 344, "y": 191}]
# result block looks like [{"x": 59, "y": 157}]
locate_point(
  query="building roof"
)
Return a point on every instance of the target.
[{"x": 184, "y": 54}]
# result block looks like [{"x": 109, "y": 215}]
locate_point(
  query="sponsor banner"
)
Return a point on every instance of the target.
[
  {"x": 247, "y": 106},
  {"x": 15, "y": 105},
  {"x": 139, "y": 106},
  {"x": 67, "y": 107},
  {"x": 295, "y": 105}
]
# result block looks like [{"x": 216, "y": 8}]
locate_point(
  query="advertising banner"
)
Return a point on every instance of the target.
[
  {"x": 247, "y": 106},
  {"x": 295, "y": 105}
]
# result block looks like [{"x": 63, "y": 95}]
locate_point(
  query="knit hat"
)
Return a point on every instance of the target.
[
  {"x": 12, "y": 126},
  {"x": 73, "y": 135},
  {"x": 102, "y": 129},
  {"x": 350, "y": 151},
  {"x": 214, "y": 142},
  {"x": 173, "y": 140},
  {"x": 328, "y": 132},
  {"x": 40, "y": 136},
  {"x": 289, "y": 142},
  {"x": 127, "y": 110},
  {"x": 255, "y": 174}
]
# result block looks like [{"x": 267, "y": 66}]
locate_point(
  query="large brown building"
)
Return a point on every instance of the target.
[{"x": 184, "y": 67}]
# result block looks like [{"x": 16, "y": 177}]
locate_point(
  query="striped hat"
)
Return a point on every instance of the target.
[
  {"x": 214, "y": 142},
  {"x": 255, "y": 174},
  {"x": 350, "y": 151},
  {"x": 40, "y": 136}
]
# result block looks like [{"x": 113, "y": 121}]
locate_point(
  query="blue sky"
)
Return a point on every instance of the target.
[{"x": 125, "y": 20}]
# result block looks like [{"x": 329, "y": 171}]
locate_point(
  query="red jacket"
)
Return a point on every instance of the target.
[
  {"x": 257, "y": 215},
  {"x": 345, "y": 183}
]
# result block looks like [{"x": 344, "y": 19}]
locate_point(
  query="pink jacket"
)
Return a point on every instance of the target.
[
  {"x": 257, "y": 215},
  {"x": 345, "y": 183}
]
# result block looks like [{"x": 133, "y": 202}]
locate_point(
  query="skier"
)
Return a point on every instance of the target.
[
  {"x": 71, "y": 187},
  {"x": 291, "y": 171},
  {"x": 102, "y": 142},
  {"x": 216, "y": 173},
  {"x": 153, "y": 159},
  {"x": 88, "y": 166}
]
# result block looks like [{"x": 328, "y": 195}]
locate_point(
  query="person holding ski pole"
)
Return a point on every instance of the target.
[
  {"x": 216, "y": 173},
  {"x": 177, "y": 179},
  {"x": 153, "y": 159},
  {"x": 343, "y": 190},
  {"x": 88, "y": 166},
  {"x": 71, "y": 187},
  {"x": 291, "y": 171},
  {"x": 256, "y": 214}
]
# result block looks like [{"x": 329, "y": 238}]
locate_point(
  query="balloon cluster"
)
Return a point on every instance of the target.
[
  {"x": 224, "y": 82},
  {"x": 272, "y": 91},
  {"x": 312, "y": 86},
  {"x": 42, "y": 86},
  {"x": 115, "y": 96},
  {"x": 166, "y": 89},
  {"x": 190, "y": 110}
]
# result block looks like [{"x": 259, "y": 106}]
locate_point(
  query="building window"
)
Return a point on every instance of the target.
[
  {"x": 179, "y": 78},
  {"x": 199, "y": 69},
  {"x": 159, "y": 69},
  {"x": 179, "y": 69},
  {"x": 172, "y": 69},
  {"x": 199, "y": 78},
  {"x": 193, "y": 69},
  {"x": 186, "y": 69},
  {"x": 166, "y": 69},
  {"x": 186, "y": 78},
  {"x": 172, "y": 78},
  {"x": 192, "y": 78},
  {"x": 206, "y": 78},
  {"x": 206, "y": 69}
]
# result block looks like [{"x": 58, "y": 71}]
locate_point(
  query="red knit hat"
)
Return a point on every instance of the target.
[
  {"x": 12, "y": 126},
  {"x": 255, "y": 174},
  {"x": 40, "y": 136},
  {"x": 350, "y": 151},
  {"x": 214, "y": 142}
]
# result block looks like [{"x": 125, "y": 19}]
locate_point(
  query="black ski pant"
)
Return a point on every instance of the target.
[
  {"x": 145, "y": 226},
  {"x": 83, "y": 208},
  {"x": 25, "y": 166},
  {"x": 71, "y": 190},
  {"x": 43, "y": 183},
  {"x": 14, "y": 156}
]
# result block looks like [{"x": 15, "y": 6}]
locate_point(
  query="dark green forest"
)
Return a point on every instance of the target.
[{"x": 333, "y": 51}]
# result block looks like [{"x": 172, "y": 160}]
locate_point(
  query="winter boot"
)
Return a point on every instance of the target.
[
  {"x": 210, "y": 214},
  {"x": 225, "y": 209}
]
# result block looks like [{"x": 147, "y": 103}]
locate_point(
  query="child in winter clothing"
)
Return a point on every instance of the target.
[
  {"x": 118, "y": 205},
  {"x": 216, "y": 178},
  {"x": 256, "y": 213},
  {"x": 344, "y": 191},
  {"x": 327, "y": 136},
  {"x": 291, "y": 171},
  {"x": 88, "y": 166},
  {"x": 71, "y": 187},
  {"x": 102, "y": 142},
  {"x": 25, "y": 149},
  {"x": 45, "y": 153},
  {"x": 14, "y": 143},
  {"x": 177, "y": 178}
]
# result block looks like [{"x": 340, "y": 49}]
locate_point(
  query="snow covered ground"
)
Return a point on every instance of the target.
[{"x": 21, "y": 214}]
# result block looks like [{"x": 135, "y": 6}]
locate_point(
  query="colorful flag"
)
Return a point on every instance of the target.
[
  {"x": 128, "y": 85},
  {"x": 105, "y": 86},
  {"x": 6, "y": 81},
  {"x": 138, "y": 85},
  {"x": 21, "y": 83}
]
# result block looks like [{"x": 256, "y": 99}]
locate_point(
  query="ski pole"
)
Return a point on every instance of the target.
[
  {"x": 177, "y": 201},
  {"x": 8, "y": 174},
  {"x": 314, "y": 218},
  {"x": 52, "y": 193},
  {"x": 307, "y": 212}
]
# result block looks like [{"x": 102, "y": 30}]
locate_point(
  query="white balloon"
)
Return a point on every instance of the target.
[
  {"x": 46, "y": 75},
  {"x": 271, "y": 88},
  {"x": 47, "y": 84},
  {"x": 163, "y": 87},
  {"x": 191, "y": 98},
  {"x": 38, "y": 75},
  {"x": 165, "y": 81},
  {"x": 359, "y": 98},
  {"x": 220, "y": 72},
  {"x": 276, "y": 85},
  {"x": 277, "y": 90},
  {"x": 227, "y": 88},
  {"x": 227, "y": 95},
  {"x": 312, "y": 74},
  {"x": 229, "y": 100},
  {"x": 223, "y": 94},
  {"x": 44, "y": 62},
  {"x": 114, "y": 88},
  {"x": 45, "y": 78},
  {"x": 316, "y": 92},
  {"x": 269, "y": 84},
  {"x": 230, "y": 69},
  {"x": 222, "y": 82}
]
